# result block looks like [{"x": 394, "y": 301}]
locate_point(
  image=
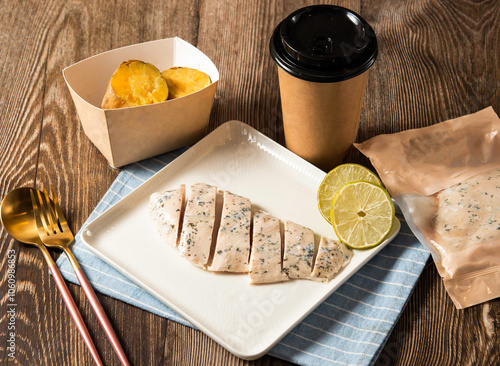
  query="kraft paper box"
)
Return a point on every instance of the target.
[{"x": 130, "y": 134}]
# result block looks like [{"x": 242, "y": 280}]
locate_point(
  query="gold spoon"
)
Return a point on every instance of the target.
[{"x": 16, "y": 215}]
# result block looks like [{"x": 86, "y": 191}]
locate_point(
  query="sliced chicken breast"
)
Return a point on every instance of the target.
[
  {"x": 268, "y": 256},
  {"x": 165, "y": 208},
  {"x": 265, "y": 258},
  {"x": 233, "y": 240},
  {"x": 198, "y": 224},
  {"x": 331, "y": 258},
  {"x": 299, "y": 250}
]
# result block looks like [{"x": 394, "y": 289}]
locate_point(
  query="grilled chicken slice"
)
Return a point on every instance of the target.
[
  {"x": 233, "y": 239},
  {"x": 198, "y": 224},
  {"x": 331, "y": 258},
  {"x": 165, "y": 208},
  {"x": 299, "y": 250},
  {"x": 265, "y": 258}
]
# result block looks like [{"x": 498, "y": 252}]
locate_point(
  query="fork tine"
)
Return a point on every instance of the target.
[
  {"x": 60, "y": 216},
  {"x": 51, "y": 209},
  {"x": 36, "y": 213},
  {"x": 42, "y": 213},
  {"x": 46, "y": 214}
]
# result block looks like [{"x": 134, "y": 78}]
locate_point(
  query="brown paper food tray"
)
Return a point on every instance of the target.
[{"x": 127, "y": 135}]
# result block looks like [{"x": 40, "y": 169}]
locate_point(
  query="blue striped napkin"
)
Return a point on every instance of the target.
[{"x": 349, "y": 328}]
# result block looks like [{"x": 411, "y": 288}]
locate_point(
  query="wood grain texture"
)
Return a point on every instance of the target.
[
  {"x": 437, "y": 60},
  {"x": 22, "y": 74}
]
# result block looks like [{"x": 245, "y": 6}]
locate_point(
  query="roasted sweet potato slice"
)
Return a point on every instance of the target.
[
  {"x": 135, "y": 83},
  {"x": 182, "y": 81}
]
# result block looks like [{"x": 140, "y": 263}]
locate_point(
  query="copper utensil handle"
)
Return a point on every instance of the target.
[
  {"x": 54, "y": 231},
  {"x": 101, "y": 315},
  {"x": 75, "y": 313}
]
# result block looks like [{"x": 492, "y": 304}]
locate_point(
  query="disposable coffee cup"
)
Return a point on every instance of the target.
[{"x": 323, "y": 53}]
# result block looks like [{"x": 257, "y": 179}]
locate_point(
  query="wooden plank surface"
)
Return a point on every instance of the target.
[{"x": 437, "y": 60}]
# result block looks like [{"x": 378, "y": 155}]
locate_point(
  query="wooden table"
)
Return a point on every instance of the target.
[{"x": 437, "y": 60}]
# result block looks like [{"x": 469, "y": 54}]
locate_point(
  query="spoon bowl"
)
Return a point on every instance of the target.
[{"x": 16, "y": 215}]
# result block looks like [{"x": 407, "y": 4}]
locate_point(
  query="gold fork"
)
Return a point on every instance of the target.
[{"x": 54, "y": 231}]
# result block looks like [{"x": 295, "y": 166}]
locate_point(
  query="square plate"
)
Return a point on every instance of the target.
[{"x": 245, "y": 319}]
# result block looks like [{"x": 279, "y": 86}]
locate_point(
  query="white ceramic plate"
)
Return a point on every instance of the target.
[{"x": 247, "y": 320}]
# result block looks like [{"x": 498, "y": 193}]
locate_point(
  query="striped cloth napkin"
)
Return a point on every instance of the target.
[{"x": 349, "y": 328}]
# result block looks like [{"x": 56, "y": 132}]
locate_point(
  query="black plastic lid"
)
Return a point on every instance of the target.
[{"x": 324, "y": 43}]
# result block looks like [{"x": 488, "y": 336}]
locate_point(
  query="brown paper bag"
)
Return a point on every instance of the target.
[{"x": 446, "y": 179}]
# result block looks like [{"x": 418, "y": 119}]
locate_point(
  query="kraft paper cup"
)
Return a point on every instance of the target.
[
  {"x": 126, "y": 135},
  {"x": 323, "y": 54}
]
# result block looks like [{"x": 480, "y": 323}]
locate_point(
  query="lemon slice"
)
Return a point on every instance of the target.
[
  {"x": 338, "y": 177},
  {"x": 362, "y": 214}
]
